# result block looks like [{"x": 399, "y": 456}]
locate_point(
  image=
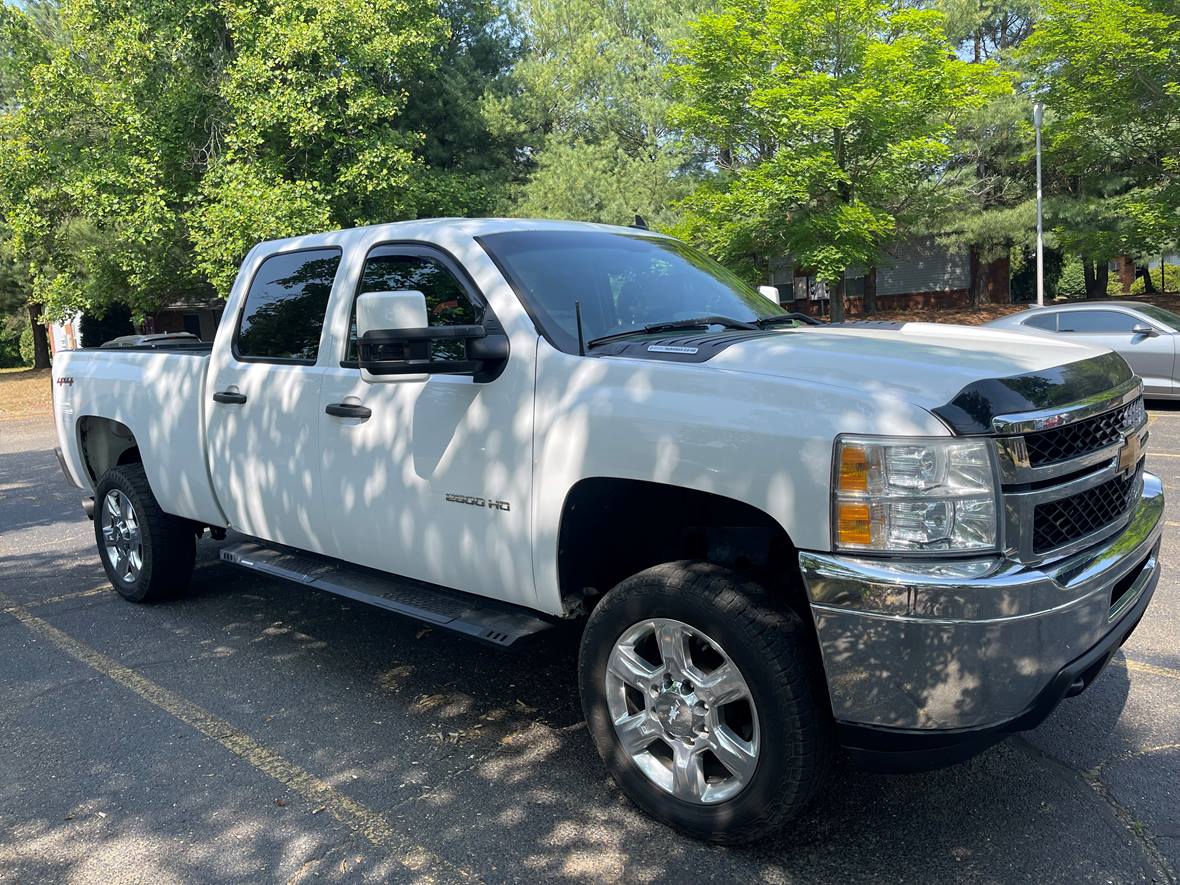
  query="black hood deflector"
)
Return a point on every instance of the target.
[{"x": 972, "y": 409}]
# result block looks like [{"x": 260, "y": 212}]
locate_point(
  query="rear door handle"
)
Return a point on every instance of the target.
[
  {"x": 229, "y": 396},
  {"x": 348, "y": 410}
]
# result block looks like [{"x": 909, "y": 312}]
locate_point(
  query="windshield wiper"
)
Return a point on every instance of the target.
[
  {"x": 780, "y": 318},
  {"x": 671, "y": 325}
]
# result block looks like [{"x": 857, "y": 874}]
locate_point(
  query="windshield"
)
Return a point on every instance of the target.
[
  {"x": 624, "y": 282},
  {"x": 1166, "y": 317}
]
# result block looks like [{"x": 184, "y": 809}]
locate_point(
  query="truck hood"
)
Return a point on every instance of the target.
[{"x": 965, "y": 374}]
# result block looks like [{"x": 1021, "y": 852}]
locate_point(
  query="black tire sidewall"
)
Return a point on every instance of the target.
[
  {"x": 120, "y": 479},
  {"x": 784, "y": 749}
]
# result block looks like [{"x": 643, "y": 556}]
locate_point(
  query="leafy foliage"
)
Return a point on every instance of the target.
[
  {"x": 145, "y": 146},
  {"x": 1170, "y": 280},
  {"x": 987, "y": 30},
  {"x": 834, "y": 122},
  {"x": 1109, "y": 71},
  {"x": 594, "y": 99}
]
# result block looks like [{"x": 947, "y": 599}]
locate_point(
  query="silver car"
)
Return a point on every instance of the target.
[{"x": 1143, "y": 334}]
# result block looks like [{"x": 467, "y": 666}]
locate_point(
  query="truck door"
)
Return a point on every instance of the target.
[
  {"x": 263, "y": 399},
  {"x": 434, "y": 483}
]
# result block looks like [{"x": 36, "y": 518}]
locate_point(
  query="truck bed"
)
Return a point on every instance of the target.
[{"x": 158, "y": 395}]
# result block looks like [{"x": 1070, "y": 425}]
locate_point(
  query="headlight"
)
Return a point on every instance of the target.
[{"x": 919, "y": 494}]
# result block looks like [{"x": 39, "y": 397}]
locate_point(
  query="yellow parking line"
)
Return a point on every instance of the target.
[
  {"x": 1152, "y": 669},
  {"x": 1161, "y": 454},
  {"x": 1172, "y": 523},
  {"x": 370, "y": 824},
  {"x": 104, "y": 590}
]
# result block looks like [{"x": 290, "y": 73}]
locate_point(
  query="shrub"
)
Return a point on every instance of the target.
[
  {"x": 1171, "y": 280},
  {"x": 27, "y": 353},
  {"x": 1072, "y": 282},
  {"x": 10, "y": 336},
  {"x": 1114, "y": 286}
]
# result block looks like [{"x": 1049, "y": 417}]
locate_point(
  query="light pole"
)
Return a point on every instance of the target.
[{"x": 1038, "y": 116}]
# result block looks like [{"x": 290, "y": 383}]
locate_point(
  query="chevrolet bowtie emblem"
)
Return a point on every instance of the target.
[{"x": 1130, "y": 454}]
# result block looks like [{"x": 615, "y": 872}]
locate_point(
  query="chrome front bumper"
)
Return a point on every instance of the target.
[{"x": 965, "y": 646}]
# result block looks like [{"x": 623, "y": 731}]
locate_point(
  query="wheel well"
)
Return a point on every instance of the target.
[
  {"x": 106, "y": 443},
  {"x": 614, "y": 528}
]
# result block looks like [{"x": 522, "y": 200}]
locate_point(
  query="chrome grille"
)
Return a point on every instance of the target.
[
  {"x": 1061, "y": 522},
  {"x": 1082, "y": 437},
  {"x": 1070, "y": 476}
]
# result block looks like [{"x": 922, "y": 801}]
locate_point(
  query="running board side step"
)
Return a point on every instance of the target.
[{"x": 499, "y": 624}]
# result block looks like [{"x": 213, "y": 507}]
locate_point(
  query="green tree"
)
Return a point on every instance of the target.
[
  {"x": 146, "y": 145},
  {"x": 470, "y": 165},
  {"x": 833, "y": 121},
  {"x": 992, "y": 178},
  {"x": 593, "y": 99},
  {"x": 992, "y": 170},
  {"x": 23, "y": 37},
  {"x": 1109, "y": 73},
  {"x": 97, "y": 152},
  {"x": 312, "y": 97},
  {"x": 986, "y": 29}
]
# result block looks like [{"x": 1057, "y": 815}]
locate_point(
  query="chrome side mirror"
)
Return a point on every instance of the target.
[{"x": 1144, "y": 329}]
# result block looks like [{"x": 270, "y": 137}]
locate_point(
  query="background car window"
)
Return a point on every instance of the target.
[
  {"x": 1096, "y": 321},
  {"x": 285, "y": 306},
  {"x": 447, "y": 303},
  {"x": 1046, "y": 321},
  {"x": 1165, "y": 318}
]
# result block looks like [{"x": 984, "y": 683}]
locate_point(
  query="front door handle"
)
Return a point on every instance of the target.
[
  {"x": 348, "y": 410},
  {"x": 229, "y": 396}
]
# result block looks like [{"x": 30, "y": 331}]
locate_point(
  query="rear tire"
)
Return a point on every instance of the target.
[
  {"x": 728, "y": 771},
  {"x": 148, "y": 554}
]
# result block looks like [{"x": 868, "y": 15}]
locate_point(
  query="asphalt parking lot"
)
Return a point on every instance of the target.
[{"x": 253, "y": 730}]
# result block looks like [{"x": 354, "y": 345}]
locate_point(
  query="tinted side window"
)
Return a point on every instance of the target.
[
  {"x": 1095, "y": 321},
  {"x": 1046, "y": 321},
  {"x": 447, "y": 303},
  {"x": 285, "y": 306}
]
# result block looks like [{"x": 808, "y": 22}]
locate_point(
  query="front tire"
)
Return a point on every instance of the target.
[
  {"x": 700, "y": 696},
  {"x": 148, "y": 554}
]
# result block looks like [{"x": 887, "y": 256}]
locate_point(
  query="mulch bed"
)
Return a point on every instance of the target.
[{"x": 987, "y": 312}]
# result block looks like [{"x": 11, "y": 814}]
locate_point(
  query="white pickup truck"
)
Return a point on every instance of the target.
[{"x": 784, "y": 538}]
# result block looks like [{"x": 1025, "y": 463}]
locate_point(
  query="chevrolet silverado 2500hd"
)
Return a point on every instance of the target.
[{"x": 785, "y": 538}]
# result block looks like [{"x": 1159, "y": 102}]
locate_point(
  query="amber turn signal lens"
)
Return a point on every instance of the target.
[
  {"x": 852, "y": 523},
  {"x": 854, "y": 469}
]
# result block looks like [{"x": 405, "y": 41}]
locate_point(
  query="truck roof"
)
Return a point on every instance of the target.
[{"x": 432, "y": 228}]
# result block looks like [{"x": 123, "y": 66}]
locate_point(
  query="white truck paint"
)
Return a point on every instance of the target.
[
  {"x": 285, "y": 472},
  {"x": 464, "y": 481}
]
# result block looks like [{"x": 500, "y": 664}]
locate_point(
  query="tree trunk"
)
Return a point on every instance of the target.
[
  {"x": 1126, "y": 273},
  {"x": 976, "y": 279},
  {"x": 870, "y": 290},
  {"x": 1148, "y": 284},
  {"x": 1101, "y": 279},
  {"x": 40, "y": 338},
  {"x": 1096, "y": 275},
  {"x": 837, "y": 301}
]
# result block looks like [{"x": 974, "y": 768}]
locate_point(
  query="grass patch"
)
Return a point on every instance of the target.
[{"x": 25, "y": 393}]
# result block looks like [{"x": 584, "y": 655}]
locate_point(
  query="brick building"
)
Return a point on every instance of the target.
[{"x": 921, "y": 273}]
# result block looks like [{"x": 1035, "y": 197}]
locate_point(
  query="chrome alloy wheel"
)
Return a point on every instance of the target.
[
  {"x": 121, "y": 536},
  {"x": 682, "y": 711}
]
